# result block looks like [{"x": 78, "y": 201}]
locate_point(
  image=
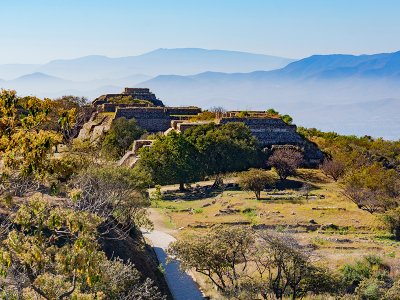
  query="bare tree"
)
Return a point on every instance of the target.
[
  {"x": 369, "y": 200},
  {"x": 333, "y": 168},
  {"x": 116, "y": 194},
  {"x": 245, "y": 264},
  {"x": 285, "y": 161}
]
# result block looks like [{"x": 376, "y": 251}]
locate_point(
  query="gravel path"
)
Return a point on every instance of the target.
[{"x": 181, "y": 284}]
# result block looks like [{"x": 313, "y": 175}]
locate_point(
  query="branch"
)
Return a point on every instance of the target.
[{"x": 67, "y": 293}]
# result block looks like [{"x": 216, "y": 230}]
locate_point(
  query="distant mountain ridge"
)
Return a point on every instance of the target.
[
  {"x": 314, "y": 90},
  {"x": 346, "y": 93},
  {"x": 180, "y": 61}
]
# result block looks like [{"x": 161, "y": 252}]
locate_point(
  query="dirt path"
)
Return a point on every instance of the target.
[
  {"x": 181, "y": 284},
  {"x": 158, "y": 220}
]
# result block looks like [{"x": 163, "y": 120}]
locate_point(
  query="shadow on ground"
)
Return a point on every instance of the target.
[{"x": 199, "y": 192}]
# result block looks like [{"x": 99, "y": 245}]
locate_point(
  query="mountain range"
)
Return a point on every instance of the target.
[{"x": 346, "y": 93}]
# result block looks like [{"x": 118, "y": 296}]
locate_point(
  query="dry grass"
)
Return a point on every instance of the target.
[{"x": 357, "y": 232}]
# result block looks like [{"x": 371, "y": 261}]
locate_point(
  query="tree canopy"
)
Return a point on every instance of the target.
[
  {"x": 171, "y": 159},
  {"x": 120, "y": 137},
  {"x": 227, "y": 148}
]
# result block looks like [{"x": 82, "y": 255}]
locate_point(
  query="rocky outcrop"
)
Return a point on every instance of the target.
[{"x": 96, "y": 127}]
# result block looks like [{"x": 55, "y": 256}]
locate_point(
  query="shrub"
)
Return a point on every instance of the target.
[
  {"x": 120, "y": 137},
  {"x": 255, "y": 180},
  {"x": 369, "y": 267},
  {"x": 392, "y": 221}
]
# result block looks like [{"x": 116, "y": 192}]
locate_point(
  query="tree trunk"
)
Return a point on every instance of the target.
[
  {"x": 181, "y": 186},
  {"x": 218, "y": 182},
  {"x": 396, "y": 233}
]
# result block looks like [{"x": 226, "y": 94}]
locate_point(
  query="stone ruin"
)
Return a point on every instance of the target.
[
  {"x": 271, "y": 132},
  {"x": 135, "y": 93}
]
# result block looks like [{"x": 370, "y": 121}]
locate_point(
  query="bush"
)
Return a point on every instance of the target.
[
  {"x": 369, "y": 267},
  {"x": 120, "y": 137},
  {"x": 392, "y": 221},
  {"x": 255, "y": 180}
]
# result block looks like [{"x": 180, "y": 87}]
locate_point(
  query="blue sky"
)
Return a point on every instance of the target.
[{"x": 41, "y": 30}]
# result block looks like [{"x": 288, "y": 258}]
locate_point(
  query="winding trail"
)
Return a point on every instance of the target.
[{"x": 181, "y": 284}]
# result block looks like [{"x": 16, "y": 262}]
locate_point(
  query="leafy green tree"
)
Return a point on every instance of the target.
[
  {"x": 171, "y": 159},
  {"x": 227, "y": 148},
  {"x": 366, "y": 276},
  {"x": 61, "y": 247},
  {"x": 272, "y": 112},
  {"x": 287, "y": 119},
  {"x": 120, "y": 137},
  {"x": 255, "y": 180}
]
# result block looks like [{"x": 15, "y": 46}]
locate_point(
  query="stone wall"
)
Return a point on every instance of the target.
[
  {"x": 271, "y": 132},
  {"x": 111, "y": 107},
  {"x": 192, "y": 111},
  {"x": 152, "y": 119}
]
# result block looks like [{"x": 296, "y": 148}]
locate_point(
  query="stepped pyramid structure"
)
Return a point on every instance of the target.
[{"x": 151, "y": 114}]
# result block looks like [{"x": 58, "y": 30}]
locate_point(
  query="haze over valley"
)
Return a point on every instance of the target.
[{"x": 345, "y": 93}]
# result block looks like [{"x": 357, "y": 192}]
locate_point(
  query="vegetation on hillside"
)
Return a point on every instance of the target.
[{"x": 62, "y": 211}]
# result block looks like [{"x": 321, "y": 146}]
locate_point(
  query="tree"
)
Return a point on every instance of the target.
[
  {"x": 361, "y": 276},
  {"x": 286, "y": 268},
  {"x": 67, "y": 115},
  {"x": 120, "y": 137},
  {"x": 333, "y": 168},
  {"x": 392, "y": 220},
  {"x": 246, "y": 264},
  {"x": 222, "y": 255},
  {"x": 373, "y": 188},
  {"x": 285, "y": 161},
  {"x": 171, "y": 159},
  {"x": 61, "y": 247},
  {"x": 287, "y": 119},
  {"x": 272, "y": 112},
  {"x": 227, "y": 148},
  {"x": 255, "y": 180},
  {"x": 52, "y": 252},
  {"x": 24, "y": 145},
  {"x": 116, "y": 194}
]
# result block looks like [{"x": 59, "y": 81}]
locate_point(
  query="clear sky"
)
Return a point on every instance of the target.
[{"x": 37, "y": 31}]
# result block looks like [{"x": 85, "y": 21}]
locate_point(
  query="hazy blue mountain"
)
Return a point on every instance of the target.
[
  {"x": 35, "y": 83},
  {"x": 341, "y": 66},
  {"x": 334, "y": 92},
  {"x": 10, "y": 71},
  {"x": 183, "y": 61},
  {"x": 347, "y": 93}
]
